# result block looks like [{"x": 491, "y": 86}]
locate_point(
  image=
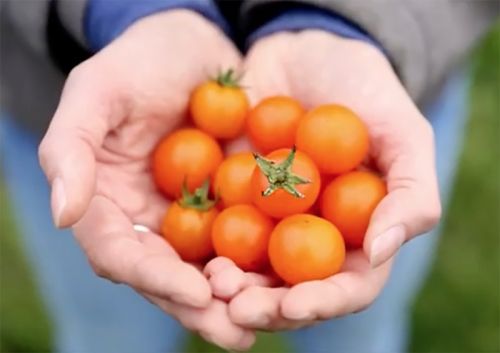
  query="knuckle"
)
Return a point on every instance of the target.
[
  {"x": 364, "y": 304},
  {"x": 427, "y": 129},
  {"x": 255, "y": 293},
  {"x": 43, "y": 153},
  {"x": 79, "y": 72},
  {"x": 98, "y": 265},
  {"x": 99, "y": 270},
  {"x": 430, "y": 214},
  {"x": 100, "y": 257}
]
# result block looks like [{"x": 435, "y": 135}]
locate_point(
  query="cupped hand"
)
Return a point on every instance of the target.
[
  {"x": 114, "y": 109},
  {"x": 316, "y": 67}
]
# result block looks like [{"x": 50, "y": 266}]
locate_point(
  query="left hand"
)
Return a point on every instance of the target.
[{"x": 317, "y": 67}]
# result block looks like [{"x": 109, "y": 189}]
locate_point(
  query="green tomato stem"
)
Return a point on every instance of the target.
[
  {"x": 280, "y": 176},
  {"x": 198, "y": 199}
]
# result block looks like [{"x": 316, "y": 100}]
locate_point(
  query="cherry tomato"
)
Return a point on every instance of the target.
[
  {"x": 272, "y": 124},
  {"x": 304, "y": 247},
  {"x": 188, "y": 155},
  {"x": 241, "y": 233},
  {"x": 219, "y": 107},
  {"x": 285, "y": 182},
  {"x": 233, "y": 179},
  {"x": 349, "y": 201},
  {"x": 187, "y": 225},
  {"x": 334, "y": 137}
]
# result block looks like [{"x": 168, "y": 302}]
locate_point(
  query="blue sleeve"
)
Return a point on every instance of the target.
[
  {"x": 310, "y": 18},
  {"x": 105, "y": 20}
]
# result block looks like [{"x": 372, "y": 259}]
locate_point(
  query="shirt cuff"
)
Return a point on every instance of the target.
[
  {"x": 301, "y": 19},
  {"x": 105, "y": 20}
]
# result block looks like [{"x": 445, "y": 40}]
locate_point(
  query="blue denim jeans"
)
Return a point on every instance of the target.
[{"x": 92, "y": 315}]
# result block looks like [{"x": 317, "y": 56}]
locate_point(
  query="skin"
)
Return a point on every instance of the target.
[
  {"x": 357, "y": 75},
  {"x": 188, "y": 231},
  {"x": 349, "y": 201},
  {"x": 241, "y": 233},
  {"x": 219, "y": 110},
  {"x": 334, "y": 137},
  {"x": 114, "y": 110},
  {"x": 233, "y": 179},
  {"x": 273, "y": 122},
  {"x": 116, "y": 106},
  {"x": 305, "y": 248},
  {"x": 186, "y": 155},
  {"x": 281, "y": 203}
]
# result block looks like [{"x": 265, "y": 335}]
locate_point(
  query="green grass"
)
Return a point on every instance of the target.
[
  {"x": 24, "y": 325},
  {"x": 458, "y": 309}
]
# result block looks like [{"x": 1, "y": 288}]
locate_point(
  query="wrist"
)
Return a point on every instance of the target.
[
  {"x": 105, "y": 20},
  {"x": 297, "y": 20}
]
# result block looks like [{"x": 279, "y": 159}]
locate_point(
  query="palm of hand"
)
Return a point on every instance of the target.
[
  {"x": 318, "y": 68},
  {"x": 114, "y": 109}
]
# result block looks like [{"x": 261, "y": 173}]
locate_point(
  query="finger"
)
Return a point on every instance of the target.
[
  {"x": 226, "y": 279},
  {"x": 347, "y": 292},
  {"x": 264, "y": 67},
  {"x": 67, "y": 152},
  {"x": 143, "y": 261},
  {"x": 212, "y": 323},
  {"x": 259, "y": 308},
  {"x": 412, "y": 205}
]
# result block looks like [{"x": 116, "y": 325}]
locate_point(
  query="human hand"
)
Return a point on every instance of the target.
[
  {"x": 115, "y": 108},
  {"x": 316, "y": 67}
]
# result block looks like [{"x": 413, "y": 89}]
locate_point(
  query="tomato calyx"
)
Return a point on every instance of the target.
[
  {"x": 199, "y": 199},
  {"x": 280, "y": 176},
  {"x": 228, "y": 79}
]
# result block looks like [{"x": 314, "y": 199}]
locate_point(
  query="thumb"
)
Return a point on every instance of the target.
[
  {"x": 67, "y": 151},
  {"x": 412, "y": 205}
]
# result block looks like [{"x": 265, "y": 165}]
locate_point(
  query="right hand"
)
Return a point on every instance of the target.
[
  {"x": 318, "y": 67},
  {"x": 114, "y": 109}
]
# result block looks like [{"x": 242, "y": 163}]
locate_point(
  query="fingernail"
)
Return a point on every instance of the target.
[
  {"x": 58, "y": 200},
  {"x": 386, "y": 245}
]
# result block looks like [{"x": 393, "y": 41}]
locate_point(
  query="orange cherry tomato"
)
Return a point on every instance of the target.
[
  {"x": 219, "y": 107},
  {"x": 241, "y": 233},
  {"x": 334, "y": 137},
  {"x": 186, "y": 155},
  {"x": 233, "y": 179},
  {"x": 272, "y": 124},
  {"x": 304, "y": 247},
  {"x": 349, "y": 201},
  {"x": 187, "y": 225},
  {"x": 285, "y": 182}
]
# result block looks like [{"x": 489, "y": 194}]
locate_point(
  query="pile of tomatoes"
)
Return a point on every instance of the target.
[{"x": 294, "y": 203}]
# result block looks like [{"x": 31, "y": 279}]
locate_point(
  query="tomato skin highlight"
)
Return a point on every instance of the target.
[
  {"x": 185, "y": 155},
  {"x": 349, "y": 201},
  {"x": 218, "y": 110},
  {"x": 272, "y": 124},
  {"x": 188, "y": 231},
  {"x": 241, "y": 233},
  {"x": 281, "y": 203},
  {"x": 334, "y": 137},
  {"x": 232, "y": 179},
  {"x": 304, "y": 247}
]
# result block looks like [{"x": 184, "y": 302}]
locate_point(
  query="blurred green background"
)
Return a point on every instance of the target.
[{"x": 458, "y": 309}]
